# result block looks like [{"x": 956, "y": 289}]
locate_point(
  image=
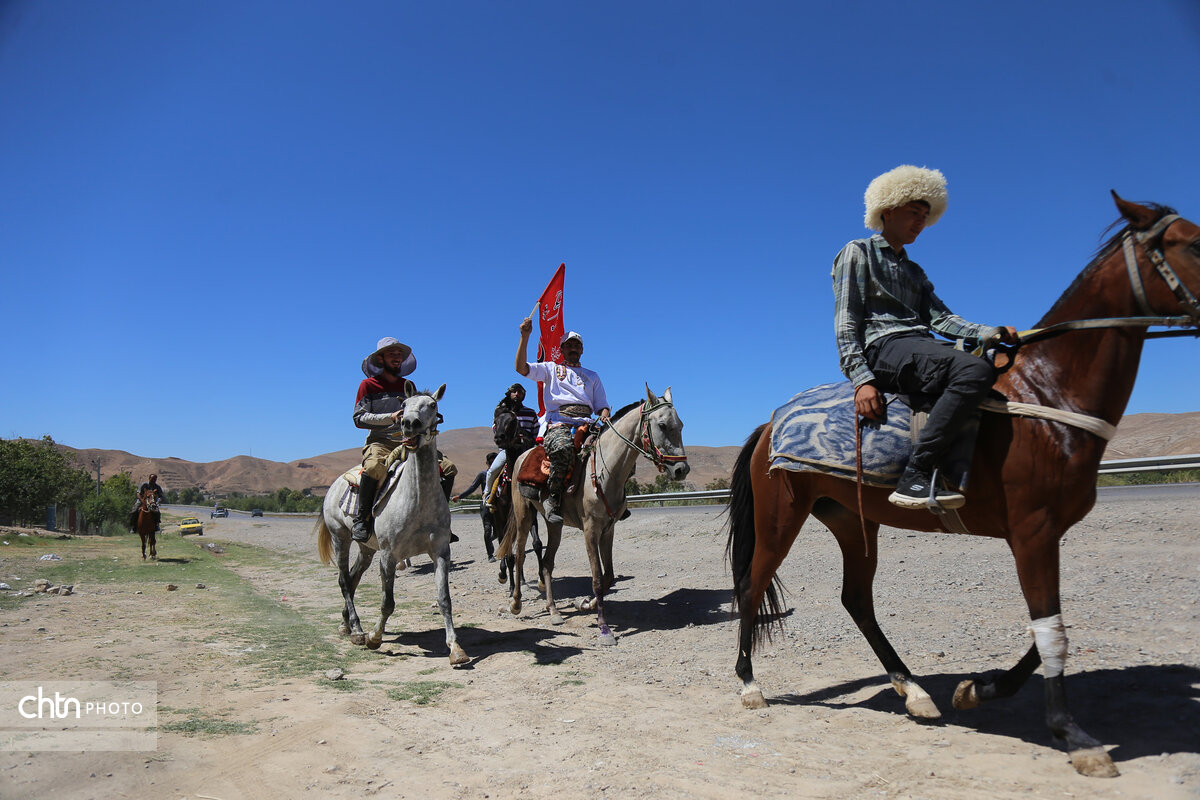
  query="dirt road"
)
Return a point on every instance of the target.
[{"x": 544, "y": 712}]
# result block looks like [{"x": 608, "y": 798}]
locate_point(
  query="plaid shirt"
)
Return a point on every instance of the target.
[{"x": 878, "y": 292}]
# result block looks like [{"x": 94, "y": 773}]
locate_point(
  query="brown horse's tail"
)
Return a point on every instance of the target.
[
  {"x": 739, "y": 550},
  {"x": 324, "y": 541}
]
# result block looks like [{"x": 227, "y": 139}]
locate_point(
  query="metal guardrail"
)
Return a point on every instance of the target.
[{"x": 720, "y": 496}]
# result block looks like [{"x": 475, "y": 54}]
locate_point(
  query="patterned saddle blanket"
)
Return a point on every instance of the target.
[
  {"x": 348, "y": 502},
  {"x": 815, "y": 432}
]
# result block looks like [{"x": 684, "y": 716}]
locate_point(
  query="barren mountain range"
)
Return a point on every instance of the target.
[{"x": 1138, "y": 436}]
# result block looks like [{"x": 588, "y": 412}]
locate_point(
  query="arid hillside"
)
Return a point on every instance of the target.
[{"x": 1139, "y": 436}]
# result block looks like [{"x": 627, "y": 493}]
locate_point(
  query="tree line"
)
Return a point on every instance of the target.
[{"x": 35, "y": 475}]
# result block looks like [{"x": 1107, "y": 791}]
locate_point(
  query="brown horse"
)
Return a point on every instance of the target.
[
  {"x": 1031, "y": 479},
  {"x": 147, "y": 521}
]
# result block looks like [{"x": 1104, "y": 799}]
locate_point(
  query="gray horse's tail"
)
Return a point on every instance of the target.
[
  {"x": 508, "y": 541},
  {"x": 324, "y": 541}
]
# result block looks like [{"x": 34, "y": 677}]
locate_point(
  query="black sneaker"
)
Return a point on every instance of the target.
[{"x": 913, "y": 492}]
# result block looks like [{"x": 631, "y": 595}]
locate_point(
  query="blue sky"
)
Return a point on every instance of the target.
[{"x": 210, "y": 211}]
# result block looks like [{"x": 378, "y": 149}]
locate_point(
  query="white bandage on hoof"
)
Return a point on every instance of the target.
[{"x": 1050, "y": 636}]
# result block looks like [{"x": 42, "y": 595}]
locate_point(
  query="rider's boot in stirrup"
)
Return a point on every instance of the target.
[{"x": 363, "y": 523}]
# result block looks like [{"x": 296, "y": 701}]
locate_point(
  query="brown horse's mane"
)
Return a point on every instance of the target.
[{"x": 1102, "y": 253}]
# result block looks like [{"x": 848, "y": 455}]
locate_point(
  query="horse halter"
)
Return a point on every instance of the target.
[
  {"x": 1186, "y": 299},
  {"x": 648, "y": 448}
]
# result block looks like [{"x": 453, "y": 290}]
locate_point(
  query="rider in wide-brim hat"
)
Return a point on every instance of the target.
[{"x": 371, "y": 365}]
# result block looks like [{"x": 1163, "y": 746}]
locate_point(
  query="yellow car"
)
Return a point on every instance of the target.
[{"x": 191, "y": 525}]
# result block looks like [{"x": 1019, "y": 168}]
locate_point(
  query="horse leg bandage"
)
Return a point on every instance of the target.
[{"x": 1050, "y": 636}]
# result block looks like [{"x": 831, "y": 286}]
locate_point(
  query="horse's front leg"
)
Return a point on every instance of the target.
[
  {"x": 442, "y": 577},
  {"x": 153, "y": 547},
  {"x": 1037, "y": 567},
  {"x": 598, "y": 541},
  {"x": 143, "y": 538},
  {"x": 387, "y": 573}
]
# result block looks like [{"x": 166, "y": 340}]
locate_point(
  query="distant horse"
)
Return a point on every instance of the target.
[
  {"x": 514, "y": 440},
  {"x": 147, "y": 523},
  {"x": 1031, "y": 479},
  {"x": 649, "y": 428},
  {"x": 414, "y": 519}
]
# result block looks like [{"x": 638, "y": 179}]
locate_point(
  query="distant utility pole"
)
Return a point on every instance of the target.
[{"x": 96, "y": 464}]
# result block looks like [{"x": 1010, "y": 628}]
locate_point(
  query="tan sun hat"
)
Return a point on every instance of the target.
[
  {"x": 370, "y": 364},
  {"x": 902, "y": 185}
]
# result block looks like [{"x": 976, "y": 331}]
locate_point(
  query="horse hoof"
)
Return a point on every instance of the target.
[
  {"x": 753, "y": 699},
  {"x": 515, "y": 607},
  {"x": 458, "y": 656},
  {"x": 502, "y": 577},
  {"x": 555, "y": 617},
  {"x": 607, "y": 639},
  {"x": 965, "y": 697},
  {"x": 373, "y": 643},
  {"x": 917, "y": 701},
  {"x": 358, "y": 638},
  {"x": 1094, "y": 762},
  {"x": 343, "y": 629}
]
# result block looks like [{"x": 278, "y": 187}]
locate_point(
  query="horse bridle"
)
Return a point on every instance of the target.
[
  {"x": 1155, "y": 254},
  {"x": 649, "y": 449},
  {"x": 1189, "y": 321}
]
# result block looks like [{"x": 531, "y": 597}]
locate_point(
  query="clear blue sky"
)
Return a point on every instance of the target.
[{"x": 210, "y": 210}]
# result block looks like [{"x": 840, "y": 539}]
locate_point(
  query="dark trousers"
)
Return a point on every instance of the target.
[{"x": 918, "y": 364}]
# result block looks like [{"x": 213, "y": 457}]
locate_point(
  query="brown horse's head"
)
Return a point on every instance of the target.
[
  {"x": 1172, "y": 245},
  {"x": 149, "y": 499}
]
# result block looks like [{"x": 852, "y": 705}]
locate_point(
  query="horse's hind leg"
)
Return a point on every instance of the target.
[
  {"x": 777, "y": 514},
  {"x": 387, "y": 573},
  {"x": 442, "y": 577},
  {"x": 859, "y": 561}
]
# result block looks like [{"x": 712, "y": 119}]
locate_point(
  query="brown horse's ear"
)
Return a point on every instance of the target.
[{"x": 1139, "y": 216}]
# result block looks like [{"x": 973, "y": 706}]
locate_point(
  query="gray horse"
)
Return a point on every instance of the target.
[
  {"x": 414, "y": 518},
  {"x": 649, "y": 428}
]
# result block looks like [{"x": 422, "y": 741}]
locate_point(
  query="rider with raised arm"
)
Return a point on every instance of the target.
[
  {"x": 885, "y": 314},
  {"x": 572, "y": 395}
]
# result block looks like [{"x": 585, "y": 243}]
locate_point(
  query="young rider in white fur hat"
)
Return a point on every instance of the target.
[{"x": 885, "y": 314}]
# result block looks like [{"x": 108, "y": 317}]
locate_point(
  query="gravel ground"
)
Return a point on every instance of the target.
[{"x": 544, "y": 712}]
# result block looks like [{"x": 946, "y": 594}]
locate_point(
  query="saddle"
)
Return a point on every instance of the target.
[
  {"x": 535, "y": 471},
  {"x": 815, "y": 432},
  {"x": 348, "y": 502}
]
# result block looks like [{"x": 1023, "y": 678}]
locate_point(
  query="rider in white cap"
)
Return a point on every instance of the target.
[
  {"x": 572, "y": 395},
  {"x": 885, "y": 315}
]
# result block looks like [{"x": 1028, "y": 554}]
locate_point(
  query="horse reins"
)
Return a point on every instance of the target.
[{"x": 650, "y": 450}]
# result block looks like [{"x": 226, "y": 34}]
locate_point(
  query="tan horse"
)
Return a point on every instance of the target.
[
  {"x": 649, "y": 428},
  {"x": 1031, "y": 479}
]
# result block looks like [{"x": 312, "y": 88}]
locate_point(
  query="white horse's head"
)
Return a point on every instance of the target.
[
  {"x": 665, "y": 431},
  {"x": 420, "y": 410}
]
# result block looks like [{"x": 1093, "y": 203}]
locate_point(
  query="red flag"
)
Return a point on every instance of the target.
[{"x": 551, "y": 327}]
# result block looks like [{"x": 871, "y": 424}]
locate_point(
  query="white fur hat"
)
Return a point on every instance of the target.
[{"x": 903, "y": 185}]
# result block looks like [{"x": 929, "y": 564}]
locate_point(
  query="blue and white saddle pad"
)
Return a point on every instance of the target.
[{"x": 814, "y": 432}]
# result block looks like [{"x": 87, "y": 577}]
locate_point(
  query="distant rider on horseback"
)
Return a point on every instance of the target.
[
  {"x": 573, "y": 394},
  {"x": 151, "y": 484},
  {"x": 885, "y": 311}
]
